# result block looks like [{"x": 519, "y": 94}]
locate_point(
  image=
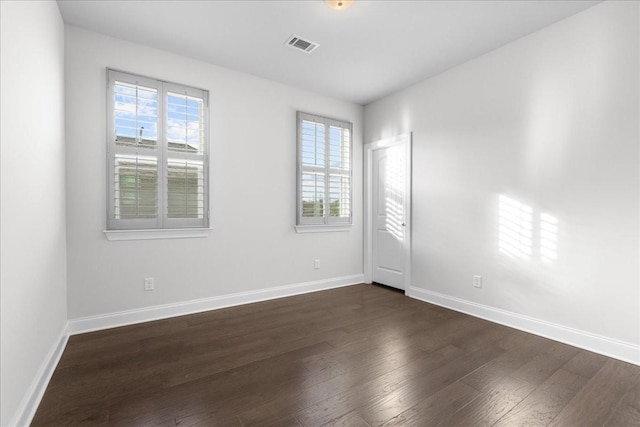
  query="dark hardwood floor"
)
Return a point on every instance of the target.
[{"x": 356, "y": 356}]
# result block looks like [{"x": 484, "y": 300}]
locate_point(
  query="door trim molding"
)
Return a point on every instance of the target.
[{"x": 369, "y": 148}]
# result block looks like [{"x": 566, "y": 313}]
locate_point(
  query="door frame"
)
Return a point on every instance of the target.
[{"x": 369, "y": 148}]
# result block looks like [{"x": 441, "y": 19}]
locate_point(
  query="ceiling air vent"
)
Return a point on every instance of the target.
[{"x": 301, "y": 44}]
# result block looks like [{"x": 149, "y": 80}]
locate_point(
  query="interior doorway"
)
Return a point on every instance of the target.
[{"x": 388, "y": 212}]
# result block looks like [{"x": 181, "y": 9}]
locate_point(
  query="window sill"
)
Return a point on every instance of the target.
[
  {"x": 152, "y": 234},
  {"x": 321, "y": 228}
]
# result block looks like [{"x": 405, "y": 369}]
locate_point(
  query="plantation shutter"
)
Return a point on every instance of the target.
[
  {"x": 339, "y": 167},
  {"x": 185, "y": 201},
  {"x": 134, "y": 172},
  {"x": 324, "y": 171},
  {"x": 158, "y": 154}
]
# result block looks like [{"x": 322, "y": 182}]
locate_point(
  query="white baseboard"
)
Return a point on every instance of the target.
[
  {"x": 129, "y": 317},
  {"x": 33, "y": 396},
  {"x": 616, "y": 349}
]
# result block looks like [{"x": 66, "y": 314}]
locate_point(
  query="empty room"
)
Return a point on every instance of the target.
[{"x": 308, "y": 213}]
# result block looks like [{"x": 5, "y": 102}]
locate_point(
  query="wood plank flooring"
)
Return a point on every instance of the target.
[{"x": 361, "y": 355}]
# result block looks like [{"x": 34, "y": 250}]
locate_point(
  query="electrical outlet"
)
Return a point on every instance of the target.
[
  {"x": 149, "y": 284},
  {"x": 316, "y": 264},
  {"x": 477, "y": 281}
]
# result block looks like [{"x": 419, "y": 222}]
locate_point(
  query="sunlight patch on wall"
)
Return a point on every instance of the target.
[
  {"x": 548, "y": 238},
  {"x": 519, "y": 227},
  {"x": 515, "y": 232}
]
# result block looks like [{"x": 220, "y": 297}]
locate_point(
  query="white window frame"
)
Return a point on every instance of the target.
[
  {"x": 116, "y": 226},
  {"x": 327, "y": 222}
]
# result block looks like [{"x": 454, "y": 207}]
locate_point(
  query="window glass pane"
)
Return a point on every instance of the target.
[
  {"x": 136, "y": 187},
  {"x": 185, "y": 123},
  {"x": 312, "y": 194},
  {"x": 313, "y": 143},
  {"x": 185, "y": 189},
  {"x": 135, "y": 115}
]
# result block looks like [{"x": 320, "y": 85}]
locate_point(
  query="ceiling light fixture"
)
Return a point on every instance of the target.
[{"x": 338, "y": 4}]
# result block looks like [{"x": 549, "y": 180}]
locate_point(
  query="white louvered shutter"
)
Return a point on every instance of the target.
[
  {"x": 158, "y": 154},
  {"x": 324, "y": 171},
  {"x": 186, "y": 194},
  {"x": 134, "y": 173},
  {"x": 339, "y": 174}
]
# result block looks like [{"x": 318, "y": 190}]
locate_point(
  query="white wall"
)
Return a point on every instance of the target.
[
  {"x": 550, "y": 120},
  {"x": 33, "y": 244},
  {"x": 253, "y": 244}
]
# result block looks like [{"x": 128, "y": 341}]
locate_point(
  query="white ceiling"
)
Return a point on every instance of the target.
[{"x": 368, "y": 51}]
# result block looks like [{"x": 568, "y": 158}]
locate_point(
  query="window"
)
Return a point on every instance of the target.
[
  {"x": 324, "y": 171},
  {"x": 157, "y": 154}
]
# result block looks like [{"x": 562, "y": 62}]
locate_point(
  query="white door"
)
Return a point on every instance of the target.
[{"x": 390, "y": 214}]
